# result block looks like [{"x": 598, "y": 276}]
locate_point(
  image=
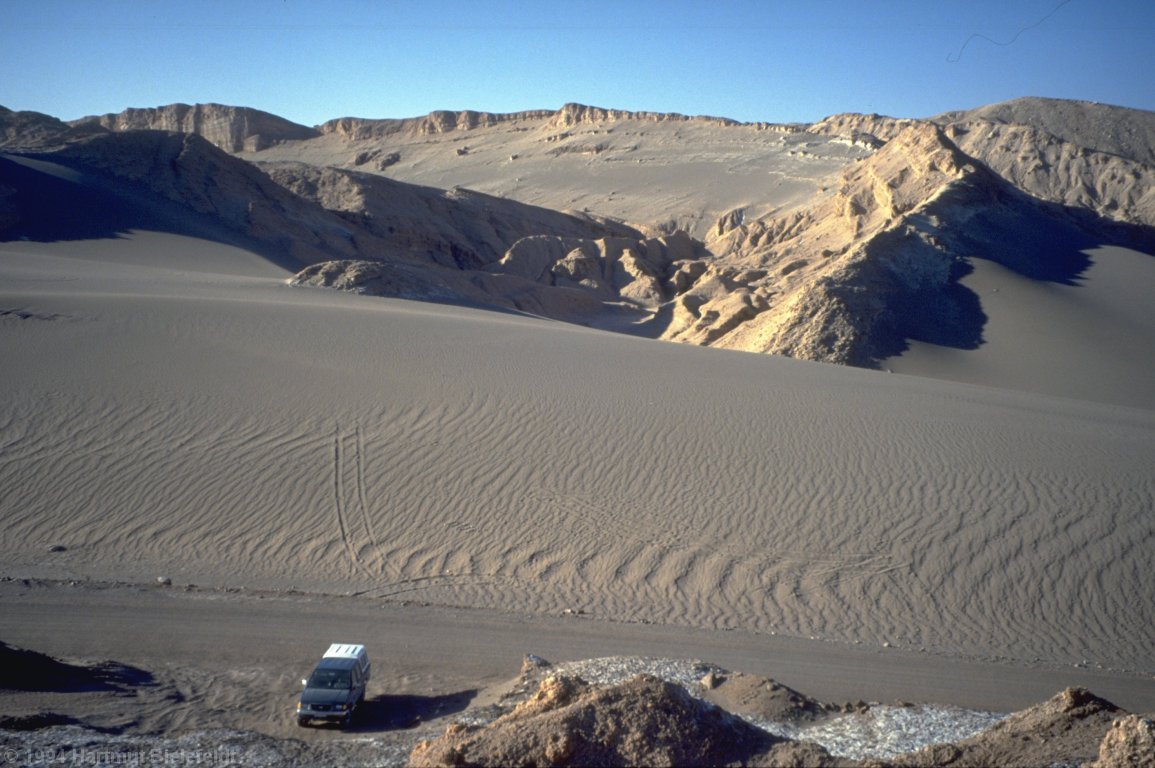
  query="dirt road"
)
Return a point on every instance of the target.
[{"x": 234, "y": 659}]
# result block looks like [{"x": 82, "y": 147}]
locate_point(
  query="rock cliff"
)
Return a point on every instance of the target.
[
  {"x": 233, "y": 129},
  {"x": 437, "y": 122},
  {"x": 572, "y": 114},
  {"x": 569, "y": 116}
]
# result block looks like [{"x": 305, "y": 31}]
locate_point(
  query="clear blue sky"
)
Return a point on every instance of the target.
[{"x": 312, "y": 60}]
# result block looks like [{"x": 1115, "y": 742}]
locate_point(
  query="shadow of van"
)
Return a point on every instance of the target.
[{"x": 398, "y": 712}]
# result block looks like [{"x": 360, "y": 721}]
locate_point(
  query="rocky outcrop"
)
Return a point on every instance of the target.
[
  {"x": 761, "y": 698},
  {"x": 437, "y": 122},
  {"x": 1059, "y": 171},
  {"x": 429, "y": 282},
  {"x": 851, "y": 275},
  {"x": 33, "y": 130},
  {"x": 1077, "y": 154},
  {"x": 27, "y": 128},
  {"x": 233, "y": 129},
  {"x": 1066, "y": 729},
  {"x": 571, "y": 279},
  {"x": 188, "y": 170},
  {"x": 1127, "y": 133},
  {"x": 876, "y": 261},
  {"x": 1129, "y": 744},
  {"x": 614, "y": 268},
  {"x": 848, "y": 279},
  {"x": 378, "y": 278},
  {"x": 569, "y": 116},
  {"x": 825, "y": 282},
  {"x": 914, "y": 167},
  {"x": 874, "y": 130},
  {"x": 455, "y": 228},
  {"x": 645, "y": 721}
]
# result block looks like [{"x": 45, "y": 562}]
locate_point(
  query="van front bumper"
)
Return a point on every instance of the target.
[{"x": 329, "y": 713}]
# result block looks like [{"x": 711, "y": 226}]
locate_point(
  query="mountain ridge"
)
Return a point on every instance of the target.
[
  {"x": 862, "y": 246},
  {"x": 233, "y": 129}
]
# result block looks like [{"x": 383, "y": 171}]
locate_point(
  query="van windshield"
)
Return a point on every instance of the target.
[{"x": 330, "y": 678}]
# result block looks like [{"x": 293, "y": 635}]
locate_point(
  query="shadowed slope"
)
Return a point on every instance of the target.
[{"x": 25, "y": 670}]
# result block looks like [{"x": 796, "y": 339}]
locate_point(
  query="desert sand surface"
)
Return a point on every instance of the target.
[
  {"x": 230, "y": 430},
  {"x": 1031, "y": 324},
  {"x": 458, "y": 485}
]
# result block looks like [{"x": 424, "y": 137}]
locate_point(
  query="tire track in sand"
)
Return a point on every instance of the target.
[
  {"x": 339, "y": 498},
  {"x": 363, "y": 501}
]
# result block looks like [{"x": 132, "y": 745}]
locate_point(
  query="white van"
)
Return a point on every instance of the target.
[{"x": 337, "y": 685}]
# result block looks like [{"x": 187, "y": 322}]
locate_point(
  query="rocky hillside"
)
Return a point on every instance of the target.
[
  {"x": 233, "y": 129},
  {"x": 842, "y": 241},
  {"x": 1045, "y": 166},
  {"x": 455, "y": 228},
  {"x": 442, "y": 121},
  {"x": 1128, "y": 133},
  {"x": 877, "y": 259},
  {"x": 360, "y": 232},
  {"x": 1071, "y": 728},
  {"x": 186, "y": 170},
  {"x": 644, "y": 721},
  {"x": 554, "y": 717},
  {"x": 438, "y": 122},
  {"x": 1077, "y": 154},
  {"x": 31, "y": 128}
]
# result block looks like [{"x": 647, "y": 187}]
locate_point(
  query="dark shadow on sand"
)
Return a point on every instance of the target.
[
  {"x": 24, "y": 670},
  {"x": 1041, "y": 241},
  {"x": 55, "y": 202},
  {"x": 397, "y": 712}
]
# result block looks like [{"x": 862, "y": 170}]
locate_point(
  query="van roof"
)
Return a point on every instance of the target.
[
  {"x": 330, "y": 662},
  {"x": 345, "y": 651}
]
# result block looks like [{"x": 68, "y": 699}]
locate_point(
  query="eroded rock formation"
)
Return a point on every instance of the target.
[{"x": 233, "y": 129}]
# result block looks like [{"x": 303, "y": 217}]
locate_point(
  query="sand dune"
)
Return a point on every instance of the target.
[
  {"x": 225, "y": 429},
  {"x": 1032, "y": 330}
]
